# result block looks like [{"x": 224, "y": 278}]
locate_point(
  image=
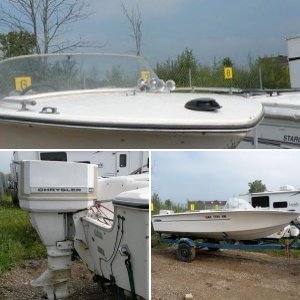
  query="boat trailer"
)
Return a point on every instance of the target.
[{"x": 186, "y": 247}]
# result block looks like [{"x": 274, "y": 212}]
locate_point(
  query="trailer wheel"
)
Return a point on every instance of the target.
[{"x": 185, "y": 252}]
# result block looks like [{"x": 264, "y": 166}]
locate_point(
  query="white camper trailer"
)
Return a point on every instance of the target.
[
  {"x": 294, "y": 59},
  {"x": 286, "y": 198}
]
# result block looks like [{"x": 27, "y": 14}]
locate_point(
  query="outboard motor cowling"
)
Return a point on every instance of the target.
[{"x": 50, "y": 192}]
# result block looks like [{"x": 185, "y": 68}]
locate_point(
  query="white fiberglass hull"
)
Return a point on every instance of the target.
[
  {"x": 124, "y": 119},
  {"x": 27, "y": 136},
  {"x": 233, "y": 225},
  {"x": 128, "y": 231}
]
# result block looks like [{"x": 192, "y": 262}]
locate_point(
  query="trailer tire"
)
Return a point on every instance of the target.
[{"x": 185, "y": 252}]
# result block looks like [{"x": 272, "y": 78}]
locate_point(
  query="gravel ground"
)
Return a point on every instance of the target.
[
  {"x": 224, "y": 275},
  {"x": 15, "y": 284}
]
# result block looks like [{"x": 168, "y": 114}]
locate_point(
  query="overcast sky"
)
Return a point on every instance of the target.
[
  {"x": 218, "y": 175},
  {"x": 5, "y": 159},
  {"x": 212, "y": 28}
]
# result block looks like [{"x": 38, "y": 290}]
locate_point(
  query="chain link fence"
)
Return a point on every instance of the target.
[{"x": 266, "y": 75}]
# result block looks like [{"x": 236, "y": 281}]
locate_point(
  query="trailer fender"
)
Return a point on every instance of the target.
[{"x": 188, "y": 241}]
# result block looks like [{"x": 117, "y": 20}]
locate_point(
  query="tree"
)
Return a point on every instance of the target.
[
  {"x": 256, "y": 186},
  {"x": 179, "y": 69},
  {"x": 134, "y": 17},
  {"x": 44, "y": 19},
  {"x": 275, "y": 72},
  {"x": 187, "y": 60},
  {"x": 156, "y": 203},
  {"x": 168, "y": 204},
  {"x": 226, "y": 62},
  {"x": 15, "y": 43}
]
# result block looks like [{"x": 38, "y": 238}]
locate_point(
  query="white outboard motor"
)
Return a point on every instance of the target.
[{"x": 52, "y": 192}]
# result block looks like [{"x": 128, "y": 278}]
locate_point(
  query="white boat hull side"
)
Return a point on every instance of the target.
[
  {"x": 105, "y": 242},
  {"x": 235, "y": 225},
  {"x": 28, "y": 136}
]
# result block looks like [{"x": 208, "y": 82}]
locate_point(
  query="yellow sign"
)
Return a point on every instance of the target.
[
  {"x": 228, "y": 73},
  {"x": 146, "y": 75},
  {"x": 22, "y": 83},
  {"x": 192, "y": 206},
  {"x": 152, "y": 207}
]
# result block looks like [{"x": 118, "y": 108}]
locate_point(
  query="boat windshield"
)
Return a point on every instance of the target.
[
  {"x": 237, "y": 203},
  {"x": 64, "y": 72}
]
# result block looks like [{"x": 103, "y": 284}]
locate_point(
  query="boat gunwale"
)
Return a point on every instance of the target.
[
  {"x": 227, "y": 211},
  {"x": 132, "y": 127}
]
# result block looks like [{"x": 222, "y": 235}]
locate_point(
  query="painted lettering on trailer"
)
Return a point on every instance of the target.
[
  {"x": 295, "y": 204},
  {"x": 291, "y": 139}
]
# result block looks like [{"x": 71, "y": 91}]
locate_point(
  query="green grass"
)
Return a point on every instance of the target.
[
  {"x": 156, "y": 243},
  {"x": 293, "y": 253},
  {"x": 18, "y": 240}
]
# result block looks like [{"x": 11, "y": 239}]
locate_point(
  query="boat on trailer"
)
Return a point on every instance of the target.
[
  {"x": 186, "y": 247},
  {"x": 111, "y": 101},
  {"x": 237, "y": 221}
]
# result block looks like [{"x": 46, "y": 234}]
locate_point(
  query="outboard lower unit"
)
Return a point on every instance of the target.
[{"x": 61, "y": 198}]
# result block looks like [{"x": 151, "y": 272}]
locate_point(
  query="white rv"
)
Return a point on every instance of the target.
[
  {"x": 110, "y": 163},
  {"x": 286, "y": 198}
]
